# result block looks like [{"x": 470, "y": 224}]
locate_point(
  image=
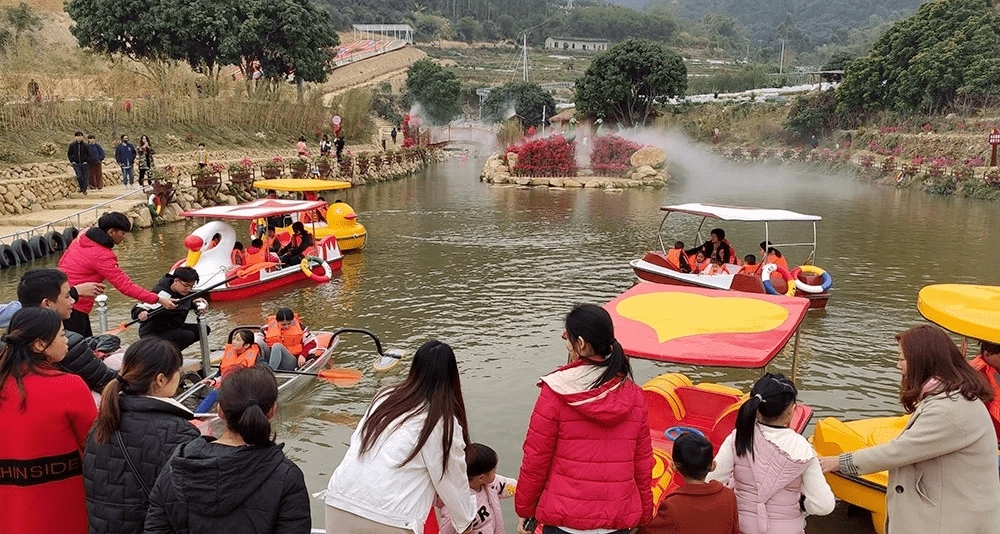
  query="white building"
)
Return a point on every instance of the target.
[{"x": 574, "y": 43}]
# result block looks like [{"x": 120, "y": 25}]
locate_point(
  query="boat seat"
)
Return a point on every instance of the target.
[
  {"x": 665, "y": 408},
  {"x": 703, "y": 405}
]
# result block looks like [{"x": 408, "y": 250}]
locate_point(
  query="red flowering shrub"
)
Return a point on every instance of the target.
[
  {"x": 610, "y": 155},
  {"x": 552, "y": 156}
]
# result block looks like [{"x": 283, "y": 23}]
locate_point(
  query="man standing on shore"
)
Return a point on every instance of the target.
[
  {"x": 79, "y": 156},
  {"x": 125, "y": 156},
  {"x": 338, "y": 145},
  {"x": 95, "y": 172}
]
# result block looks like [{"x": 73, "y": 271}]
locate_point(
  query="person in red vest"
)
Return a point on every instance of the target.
[
  {"x": 238, "y": 257},
  {"x": 750, "y": 266},
  {"x": 289, "y": 341},
  {"x": 45, "y": 415},
  {"x": 772, "y": 255},
  {"x": 676, "y": 258},
  {"x": 988, "y": 363},
  {"x": 242, "y": 352},
  {"x": 699, "y": 263}
]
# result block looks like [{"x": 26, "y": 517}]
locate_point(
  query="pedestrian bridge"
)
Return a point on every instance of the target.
[{"x": 478, "y": 135}]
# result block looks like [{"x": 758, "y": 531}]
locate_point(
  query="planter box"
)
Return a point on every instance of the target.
[
  {"x": 242, "y": 179},
  {"x": 269, "y": 173}
]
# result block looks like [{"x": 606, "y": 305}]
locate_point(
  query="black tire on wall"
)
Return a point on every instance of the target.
[
  {"x": 8, "y": 258},
  {"x": 39, "y": 246},
  {"x": 55, "y": 241},
  {"x": 22, "y": 250},
  {"x": 69, "y": 234}
]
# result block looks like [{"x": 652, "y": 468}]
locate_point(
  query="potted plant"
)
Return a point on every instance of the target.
[
  {"x": 364, "y": 160},
  {"x": 992, "y": 176},
  {"x": 324, "y": 166},
  {"x": 163, "y": 183},
  {"x": 273, "y": 169},
  {"x": 241, "y": 172},
  {"x": 346, "y": 163},
  {"x": 299, "y": 167}
]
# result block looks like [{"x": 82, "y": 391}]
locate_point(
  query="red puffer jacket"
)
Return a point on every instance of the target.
[
  {"x": 89, "y": 258},
  {"x": 588, "y": 459}
]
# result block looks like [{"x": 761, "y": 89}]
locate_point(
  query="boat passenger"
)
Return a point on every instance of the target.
[
  {"x": 298, "y": 247},
  {"x": 488, "y": 487},
  {"x": 750, "y": 266},
  {"x": 258, "y": 253},
  {"x": 290, "y": 343},
  {"x": 587, "y": 454},
  {"x": 676, "y": 259},
  {"x": 716, "y": 267},
  {"x": 988, "y": 364},
  {"x": 942, "y": 467},
  {"x": 772, "y": 255},
  {"x": 697, "y": 506},
  {"x": 409, "y": 445},
  {"x": 89, "y": 258},
  {"x": 169, "y": 324},
  {"x": 215, "y": 241},
  {"x": 271, "y": 241},
  {"x": 771, "y": 467},
  {"x": 45, "y": 415},
  {"x": 49, "y": 288},
  {"x": 717, "y": 242},
  {"x": 137, "y": 429},
  {"x": 240, "y": 482},
  {"x": 700, "y": 262},
  {"x": 238, "y": 256},
  {"x": 243, "y": 351}
]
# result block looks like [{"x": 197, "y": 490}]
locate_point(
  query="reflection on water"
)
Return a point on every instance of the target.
[{"x": 492, "y": 269}]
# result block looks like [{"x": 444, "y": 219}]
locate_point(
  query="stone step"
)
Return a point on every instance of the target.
[{"x": 86, "y": 218}]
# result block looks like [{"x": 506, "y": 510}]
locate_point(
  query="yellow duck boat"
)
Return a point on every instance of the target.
[
  {"x": 340, "y": 218},
  {"x": 968, "y": 310}
]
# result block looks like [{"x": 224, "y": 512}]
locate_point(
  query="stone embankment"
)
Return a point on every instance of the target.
[{"x": 647, "y": 169}]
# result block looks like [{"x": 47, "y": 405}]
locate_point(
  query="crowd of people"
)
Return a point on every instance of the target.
[
  {"x": 717, "y": 256},
  {"x": 136, "y": 464}
]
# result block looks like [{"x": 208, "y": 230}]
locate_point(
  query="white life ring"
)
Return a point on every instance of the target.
[
  {"x": 314, "y": 261},
  {"x": 823, "y": 287}
]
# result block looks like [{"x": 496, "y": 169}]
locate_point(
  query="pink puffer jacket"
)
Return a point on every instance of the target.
[
  {"x": 89, "y": 258},
  {"x": 587, "y": 456},
  {"x": 768, "y": 487}
]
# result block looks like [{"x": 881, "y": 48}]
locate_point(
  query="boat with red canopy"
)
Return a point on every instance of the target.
[
  {"x": 807, "y": 280},
  {"x": 215, "y": 263},
  {"x": 741, "y": 330}
]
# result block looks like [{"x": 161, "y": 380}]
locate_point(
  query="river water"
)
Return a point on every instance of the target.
[{"x": 492, "y": 270}]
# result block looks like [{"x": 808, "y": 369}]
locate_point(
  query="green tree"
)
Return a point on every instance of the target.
[
  {"x": 507, "y": 26},
  {"x": 469, "y": 29},
  {"x": 629, "y": 79},
  {"x": 22, "y": 18},
  {"x": 949, "y": 48},
  {"x": 812, "y": 114},
  {"x": 526, "y": 99},
  {"x": 435, "y": 89}
]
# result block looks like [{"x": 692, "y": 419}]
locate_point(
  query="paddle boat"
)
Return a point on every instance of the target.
[
  {"x": 970, "y": 311},
  {"x": 214, "y": 264},
  {"x": 807, "y": 281},
  {"x": 340, "y": 218},
  {"x": 743, "y": 330}
]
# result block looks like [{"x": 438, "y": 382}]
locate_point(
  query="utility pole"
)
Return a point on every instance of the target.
[
  {"x": 543, "y": 121},
  {"x": 525, "y": 55},
  {"x": 781, "y": 62}
]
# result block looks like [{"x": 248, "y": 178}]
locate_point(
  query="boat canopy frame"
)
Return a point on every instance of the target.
[{"x": 742, "y": 214}]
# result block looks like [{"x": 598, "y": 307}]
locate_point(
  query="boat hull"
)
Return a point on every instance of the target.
[
  {"x": 653, "y": 268},
  {"x": 288, "y": 275}
]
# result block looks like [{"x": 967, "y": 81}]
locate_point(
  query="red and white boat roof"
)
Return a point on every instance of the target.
[
  {"x": 696, "y": 326},
  {"x": 265, "y": 207},
  {"x": 740, "y": 213}
]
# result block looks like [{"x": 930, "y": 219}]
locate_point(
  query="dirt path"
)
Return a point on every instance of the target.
[{"x": 386, "y": 67}]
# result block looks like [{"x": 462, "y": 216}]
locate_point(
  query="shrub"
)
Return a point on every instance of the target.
[
  {"x": 611, "y": 155},
  {"x": 552, "y": 156}
]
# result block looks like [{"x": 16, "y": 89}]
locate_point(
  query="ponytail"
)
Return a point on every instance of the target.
[
  {"x": 770, "y": 396},
  {"x": 246, "y": 397},
  {"x": 594, "y": 325},
  {"x": 143, "y": 362}
]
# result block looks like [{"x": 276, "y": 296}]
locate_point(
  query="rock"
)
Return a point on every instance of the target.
[
  {"x": 3, "y": 189},
  {"x": 539, "y": 181},
  {"x": 30, "y": 196},
  {"x": 14, "y": 189},
  {"x": 171, "y": 212},
  {"x": 231, "y": 200},
  {"x": 511, "y": 160},
  {"x": 500, "y": 179},
  {"x": 645, "y": 170},
  {"x": 585, "y": 172},
  {"x": 144, "y": 217},
  {"x": 572, "y": 183},
  {"x": 10, "y": 198},
  {"x": 593, "y": 184},
  {"x": 556, "y": 182},
  {"x": 523, "y": 180},
  {"x": 651, "y": 155}
]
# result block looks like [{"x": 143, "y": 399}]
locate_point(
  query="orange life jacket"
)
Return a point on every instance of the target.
[
  {"x": 269, "y": 241},
  {"x": 238, "y": 257},
  {"x": 256, "y": 255},
  {"x": 716, "y": 269},
  {"x": 751, "y": 270},
  {"x": 677, "y": 260},
  {"x": 695, "y": 266},
  {"x": 772, "y": 258},
  {"x": 231, "y": 360},
  {"x": 991, "y": 376},
  {"x": 290, "y": 337}
]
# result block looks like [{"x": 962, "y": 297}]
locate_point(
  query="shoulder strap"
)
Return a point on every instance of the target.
[{"x": 131, "y": 466}]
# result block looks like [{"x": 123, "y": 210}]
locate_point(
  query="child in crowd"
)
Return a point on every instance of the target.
[
  {"x": 216, "y": 239},
  {"x": 717, "y": 267},
  {"x": 677, "y": 259},
  {"x": 242, "y": 351},
  {"x": 488, "y": 487},
  {"x": 238, "y": 257},
  {"x": 700, "y": 262},
  {"x": 750, "y": 266},
  {"x": 770, "y": 466},
  {"x": 256, "y": 253},
  {"x": 301, "y": 149},
  {"x": 697, "y": 507},
  {"x": 202, "y": 156}
]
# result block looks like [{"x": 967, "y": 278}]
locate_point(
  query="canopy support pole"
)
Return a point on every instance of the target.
[{"x": 795, "y": 354}]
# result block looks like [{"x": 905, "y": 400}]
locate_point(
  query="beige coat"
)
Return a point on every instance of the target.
[{"x": 942, "y": 470}]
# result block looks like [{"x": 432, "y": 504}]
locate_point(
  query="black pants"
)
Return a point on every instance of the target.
[
  {"x": 79, "y": 322},
  {"x": 291, "y": 259},
  {"x": 82, "y": 171},
  {"x": 182, "y": 337}
]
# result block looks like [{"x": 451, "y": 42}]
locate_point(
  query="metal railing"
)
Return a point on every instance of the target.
[{"x": 43, "y": 229}]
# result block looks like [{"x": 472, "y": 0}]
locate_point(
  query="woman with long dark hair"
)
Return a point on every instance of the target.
[
  {"x": 409, "y": 446},
  {"x": 45, "y": 414},
  {"x": 240, "y": 482},
  {"x": 771, "y": 467},
  {"x": 137, "y": 429},
  {"x": 587, "y": 457},
  {"x": 943, "y": 466},
  {"x": 145, "y": 158}
]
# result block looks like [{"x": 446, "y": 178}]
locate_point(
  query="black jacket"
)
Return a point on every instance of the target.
[
  {"x": 79, "y": 153},
  {"x": 80, "y": 360},
  {"x": 151, "y": 429},
  {"x": 163, "y": 320},
  {"x": 213, "y": 489}
]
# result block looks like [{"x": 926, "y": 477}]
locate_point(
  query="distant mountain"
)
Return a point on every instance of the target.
[{"x": 820, "y": 20}]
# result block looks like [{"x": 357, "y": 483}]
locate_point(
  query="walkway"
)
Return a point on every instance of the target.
[{"x": 93, "y": 205}]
